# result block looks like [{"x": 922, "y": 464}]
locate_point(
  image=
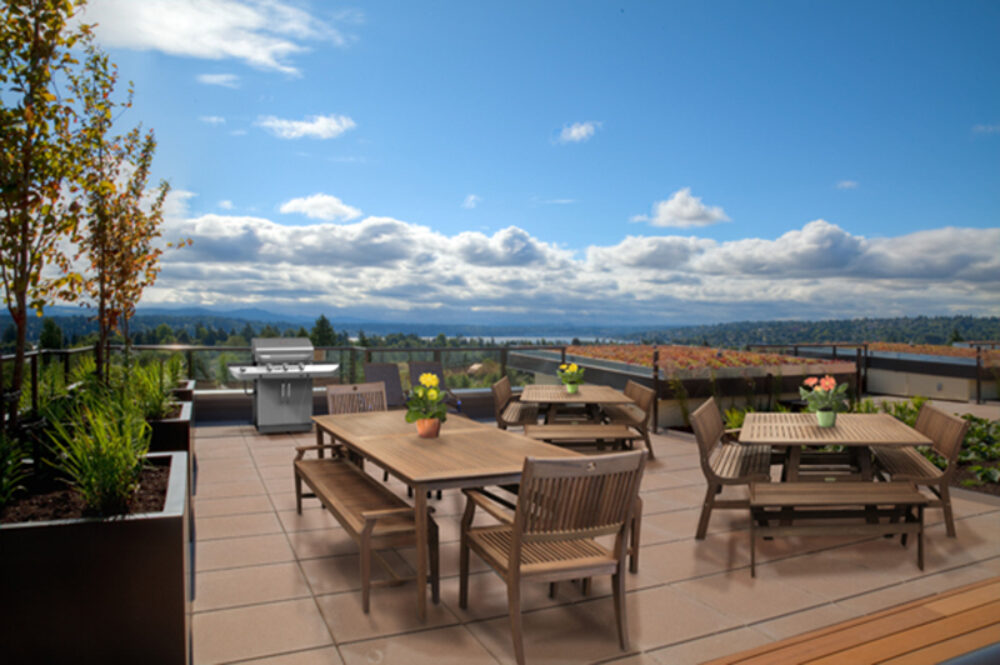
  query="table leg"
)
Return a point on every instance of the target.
[
  {"x": 319, "y": 440},
  {"x": 420, "y": 517},
  {"x": 792, "y": 463},
  {"x": 865, "y": 463}
]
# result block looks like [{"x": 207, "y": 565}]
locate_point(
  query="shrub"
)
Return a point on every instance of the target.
[
  {"x": 101, "y": 449},
  {"x": 13, "y": 470},
  {"x": 150, "y": 389}
]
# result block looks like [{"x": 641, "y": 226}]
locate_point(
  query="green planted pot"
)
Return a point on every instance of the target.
[
  {"x": 826, "y": 418},
  {"x": 572, "y": 388}
]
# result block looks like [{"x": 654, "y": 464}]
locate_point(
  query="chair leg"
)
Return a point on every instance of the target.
[
  {"x": 649, "y": 444},
  {"x": 949, "y": 519},
  {"x": 366, "y": 572},
  {"x": 463, "y": 571},
  {"x": 621, "y": 618},
  {"x": 706, "y": 511},
  {"x": 634, "y": 534},
  {"x": 514, "y": 609},
  {"x": 432, "y": 543}
]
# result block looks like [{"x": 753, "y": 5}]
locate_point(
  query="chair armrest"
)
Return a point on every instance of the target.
[
  {"x": 300, "y": 451},
  {"x": 491, "y": 507}
]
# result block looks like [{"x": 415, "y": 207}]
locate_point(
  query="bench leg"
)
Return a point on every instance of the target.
[
  {"x": 366, "y": 566},
  {"x": 298, "y": 489}
]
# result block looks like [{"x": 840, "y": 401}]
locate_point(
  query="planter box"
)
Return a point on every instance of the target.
[
  {"x": 184, "y": 392},
  {"x": 100, "y": 590},
  {"x": 174, "y": 435}
]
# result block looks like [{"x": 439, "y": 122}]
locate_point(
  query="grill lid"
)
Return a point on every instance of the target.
[{"x": 279, "y": 350}]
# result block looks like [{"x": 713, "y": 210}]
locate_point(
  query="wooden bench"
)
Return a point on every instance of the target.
[
  {"x": 900, "y": 504},
  {"x": 583, "y": 434},
  {"x": 934, "y": 629},
  {"x": 369, "y": 512}
]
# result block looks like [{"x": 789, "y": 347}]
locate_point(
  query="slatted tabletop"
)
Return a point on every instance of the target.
[
  {"x": 350, "y": 426},
  {"x": 587, "y": 394},
  {"x": 852, "y": 429}
]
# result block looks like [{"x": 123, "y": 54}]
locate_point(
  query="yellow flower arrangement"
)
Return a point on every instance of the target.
[{"x": 426, "y": 400}]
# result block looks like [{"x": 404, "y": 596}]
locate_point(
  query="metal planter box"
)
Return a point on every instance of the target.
[{"x": 93, "y": 590}]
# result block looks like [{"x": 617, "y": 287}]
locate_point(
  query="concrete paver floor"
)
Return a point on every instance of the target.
[{"x": 276, "y": 587}]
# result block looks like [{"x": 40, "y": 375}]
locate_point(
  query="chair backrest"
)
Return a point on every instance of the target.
[
  {"x": 641, "y": 395},
  {"x": 571, "y": 498},
  {"x": 388, "y": 374},
  {"x": 418, "y": 367},
  {"x": 945, "y": 430},
  {"x": 501, "y": 395},
  {"x": 708, "y": 430},
  {"x": 355, "y": 398}
]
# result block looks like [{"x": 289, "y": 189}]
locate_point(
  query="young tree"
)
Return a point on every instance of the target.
[
  {"x": 38, "y": 158},
  {"x": 122, "y": 219},
  {"x": 51, "y": 336}
]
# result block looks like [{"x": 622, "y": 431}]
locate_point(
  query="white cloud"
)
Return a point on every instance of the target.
[
  {"x": 986, "y": 129},
  {"x": 315, "y": 126},
  {"x": 578, "y": 131},
  {"x": 384, "y": 267},
  {"x": 847, "y": 184},
  {"x": 213, "y": 119},
  {"x": 321, "y": 206},
  {"x": 471, "y": 201},
  {"x": 262, "y": 33},
  {"x": 224, "y": 80},
  {"x": 683, "y": 210},
  {"x": 226, "y": 204}
]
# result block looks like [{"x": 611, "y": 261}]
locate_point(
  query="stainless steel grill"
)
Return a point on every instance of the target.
[{"x": 283, "y": 374}]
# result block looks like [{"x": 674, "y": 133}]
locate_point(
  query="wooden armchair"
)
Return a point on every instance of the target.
[
  {"x": 563, "y": 505},
  {"x": 355, "y": 398},
  {"x": 388, "y": 374},
  {"x": 907, "y": 464},
  {"x": 725, "y": 462},
  {"x": 508, "y": 409},
  {"x": 634, "y": 415}
]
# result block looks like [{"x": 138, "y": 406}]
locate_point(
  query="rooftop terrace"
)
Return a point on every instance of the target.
[{"x": 276, "y": 587}]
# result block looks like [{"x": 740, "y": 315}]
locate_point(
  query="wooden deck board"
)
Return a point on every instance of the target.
[{"x": 921, "y": 631}]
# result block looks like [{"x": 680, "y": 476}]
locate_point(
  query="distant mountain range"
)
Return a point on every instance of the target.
[{"x": 933, "y": 330}]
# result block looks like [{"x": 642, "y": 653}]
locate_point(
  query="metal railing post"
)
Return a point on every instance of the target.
[
  {"x": 857, "y": 373},
  {"x": 979, "y": 375},
  {"x": 562, "y": 355},
  {"x": 190, "y": 364},
  {"x": 503, "y": 362},
  {"x": 34, "y": 383},
  {"x": 656, "y": 389},
  {"x": 65, "y": 358}
]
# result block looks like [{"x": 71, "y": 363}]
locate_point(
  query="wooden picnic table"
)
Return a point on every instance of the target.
[
  {"x": 465, "y": 454},
  {"x": 551, "y": 398},
  {"x": 856, "y": 431}
]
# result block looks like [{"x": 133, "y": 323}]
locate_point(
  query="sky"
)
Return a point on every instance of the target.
[{"x": 641, "y": 163}]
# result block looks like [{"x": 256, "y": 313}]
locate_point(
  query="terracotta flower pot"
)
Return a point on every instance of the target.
[{"x": 428, "y": 428}]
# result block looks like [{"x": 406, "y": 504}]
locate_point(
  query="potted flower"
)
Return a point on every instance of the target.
[
  {"x": 109, "y": 556},
  {"x": 571, "y": 375},
  {"x": 426, "y": 406},
  {"x": 824, "y": 398}
]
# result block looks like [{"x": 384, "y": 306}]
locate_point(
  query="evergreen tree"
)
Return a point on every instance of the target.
[
  {"x": 51, "y": 336},
  {"x": 323, "y": 333}
]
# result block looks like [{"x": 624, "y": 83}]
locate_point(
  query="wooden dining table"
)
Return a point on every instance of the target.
[
  {"x": 466, "y": 454},
  {"x": 855, "y": 431}
]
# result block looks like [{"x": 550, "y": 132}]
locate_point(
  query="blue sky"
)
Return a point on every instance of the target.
[{"x": 643, "y": 162}]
